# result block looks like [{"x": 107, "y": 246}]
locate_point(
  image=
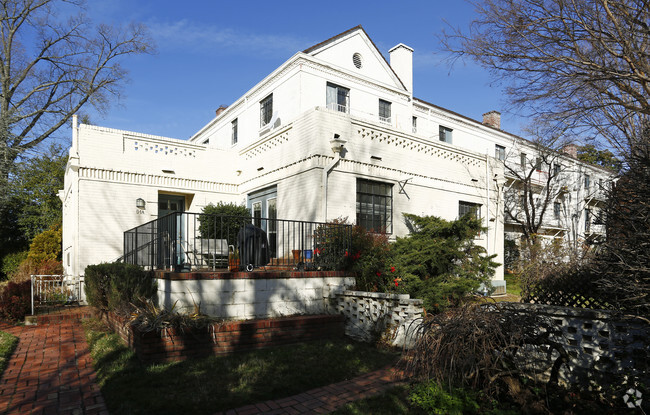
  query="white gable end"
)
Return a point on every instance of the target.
[{"x": 340, "y": 53}]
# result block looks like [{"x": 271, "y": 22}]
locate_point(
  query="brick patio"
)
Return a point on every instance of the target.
[{"x": 50, "y": 371}]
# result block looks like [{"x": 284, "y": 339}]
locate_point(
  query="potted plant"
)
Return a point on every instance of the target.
[{"x": 233, "y": 259}]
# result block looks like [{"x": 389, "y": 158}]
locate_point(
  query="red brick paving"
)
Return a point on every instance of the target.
[
  {"x": 327, "y": 398},
  {"x": 50, "y": 371}
]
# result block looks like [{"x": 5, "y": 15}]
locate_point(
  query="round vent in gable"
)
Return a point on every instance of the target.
[{"x": 358, "y": 60}]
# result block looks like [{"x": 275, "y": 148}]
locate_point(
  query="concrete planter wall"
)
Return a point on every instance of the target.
[{"x": 244, "y": 295}]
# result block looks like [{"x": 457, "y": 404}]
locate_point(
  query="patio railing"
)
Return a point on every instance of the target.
[
  {"x": 54, "y": 290},
  {"x": 196, "y": 241}
]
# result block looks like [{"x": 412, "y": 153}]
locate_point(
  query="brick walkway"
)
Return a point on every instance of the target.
[
  {"x": 328, "y": 398},
  {"x": 50, "y": 372}
]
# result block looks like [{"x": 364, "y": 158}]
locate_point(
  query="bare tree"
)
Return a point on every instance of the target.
[
  {"x": 582, "y": 63},
  {"x": 54, "y": 61}
]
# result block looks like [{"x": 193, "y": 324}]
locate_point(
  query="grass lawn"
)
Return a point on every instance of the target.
[
  {"x": 8, "y": 344},
  {"x": 392, "y": 402},
  {"x": 206, "y": 386}
]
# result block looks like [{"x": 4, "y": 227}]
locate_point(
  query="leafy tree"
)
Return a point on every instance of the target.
[
  {"x": 54, "y": 61},
  {"x": 35, "y": 184},
  {"x": 603, "y": 158},
  {"x": 581, "y": 63},
  {"x": 439, "y": 261}
]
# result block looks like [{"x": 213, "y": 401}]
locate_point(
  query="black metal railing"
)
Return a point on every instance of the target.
[{"x": 196, "y": 241}]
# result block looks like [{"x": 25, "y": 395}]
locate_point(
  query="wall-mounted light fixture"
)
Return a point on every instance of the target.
[
  {"x": 337, "y": 143},
  {"x": 140, "y": 203}
]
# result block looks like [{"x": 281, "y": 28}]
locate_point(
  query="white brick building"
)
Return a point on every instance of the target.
[{"x": 273, "y": 150}]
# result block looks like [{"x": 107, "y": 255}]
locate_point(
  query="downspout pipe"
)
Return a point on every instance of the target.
[
  {"x": 326, "y": 172},
  {"x": 336, "y": 144}
]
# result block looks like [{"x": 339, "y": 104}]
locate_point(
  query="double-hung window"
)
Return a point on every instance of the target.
[
  {"x": 384, "y": 111},
  {"x": 414, "y": 124},
  {"x": 234, "y": 135},
  {"x": 587, "y": 220},
  {"x": 557, "y": 209},
  {"x": 522, "y": 160},
  {"x": 445, "y": 134},
  {"x": 469, "y": 208},
  {"x": 499, "y": 152},
  {"x": 375, "y": 206},
  {"x": 266, "y": 110},
  {"x": 338, "y": 98},
  {"x": 587, "y": 181}
]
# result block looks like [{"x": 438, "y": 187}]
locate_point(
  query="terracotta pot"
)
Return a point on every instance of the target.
[
  {"x": 296, "y": 255},
  {"x": 233, "y": 264}
]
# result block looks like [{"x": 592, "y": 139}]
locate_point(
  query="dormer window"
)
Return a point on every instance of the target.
[{"x": 266, "y": 110}]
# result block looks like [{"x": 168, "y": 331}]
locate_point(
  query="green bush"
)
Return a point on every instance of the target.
[
  {"x": 435, "y": 400},
  {"x": 118, "y": 286},
  {"x": 11, "y": 262},
  {"x": 15, "y": 300},
  {"x": 439, "y": 261},
  {"x": 223, "y": 221},
  {"x": 46, "y": 245}
]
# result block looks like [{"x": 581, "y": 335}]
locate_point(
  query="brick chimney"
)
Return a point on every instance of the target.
[
  {"x": 492, "y": 119},
  {"x": 221, "y": 109},
  {"x": 571, "y": 150}
]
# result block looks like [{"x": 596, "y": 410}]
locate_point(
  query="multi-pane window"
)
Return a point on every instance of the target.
[
  {"x": 375, "y": 206},
  {"x": 337, "y": 98},
  {"x": 384, "y": 111},
  {"x": 587, "y": 181},
  {"x": 266, "y": 110},
  {"x": 414, "y": 124},
  {"x": 522, "y": 160},
  {"x": 469, "y": 208},
  {"x": 445, "y": 134},
  {"x": 538, "y": 163},
  {"x": 233, "y": 136},
  {"x": 557, "y": 209},
  {"x": 587, "y": 220},
  {"x": 557, "y": 168},
  {"x": 499, "y": 152}
]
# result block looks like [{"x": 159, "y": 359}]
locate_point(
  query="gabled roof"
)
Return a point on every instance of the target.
[{"x": 315, "y": 49}]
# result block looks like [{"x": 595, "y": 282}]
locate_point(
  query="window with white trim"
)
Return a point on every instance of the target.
[
  {"x": 375, "y": 206},
  {"x": 499, "y": 152},
  {"x": 384, "y": 111},
  {"x": 445, "y": 134},
  {"x": 469, "y": 208},
  {"x": 337, "y": 98},
  {"x": 266, "y": 110},
  {"x": 234, "y": 134}
]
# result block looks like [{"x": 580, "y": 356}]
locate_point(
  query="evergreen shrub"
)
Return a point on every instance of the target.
[{"x": 118, "y": 287}]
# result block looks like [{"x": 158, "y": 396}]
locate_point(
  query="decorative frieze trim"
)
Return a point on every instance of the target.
[
  {"x": 260, "y": 147},
  {"x": 117, "y": 176}
]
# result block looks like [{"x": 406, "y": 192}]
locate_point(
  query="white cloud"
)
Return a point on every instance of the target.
[{"x": 186, "y": 35}]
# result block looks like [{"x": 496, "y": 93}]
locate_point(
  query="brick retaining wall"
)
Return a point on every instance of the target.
[{"x": 224, "y": 338}]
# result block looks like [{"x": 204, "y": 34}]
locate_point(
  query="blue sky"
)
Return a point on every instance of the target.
[{"x": 211, "y": 52}]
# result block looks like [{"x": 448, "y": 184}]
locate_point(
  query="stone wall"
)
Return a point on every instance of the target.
[{"x": 391, "y": 318}]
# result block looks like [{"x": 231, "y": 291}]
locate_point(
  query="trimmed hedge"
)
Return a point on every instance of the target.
[{"x": 118, "y": 287}]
